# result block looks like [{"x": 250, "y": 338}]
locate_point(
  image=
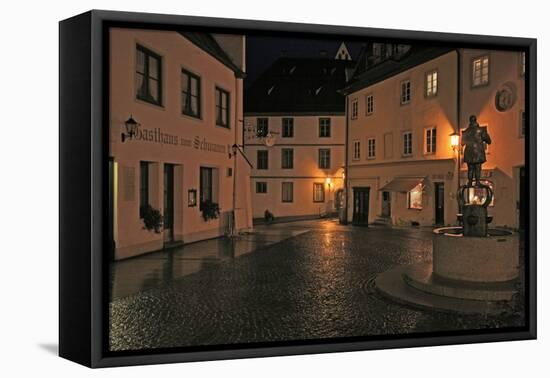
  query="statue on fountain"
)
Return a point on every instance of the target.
[
  {"x": 475, "y": 138},
  {"x": 474, "y": 211}
]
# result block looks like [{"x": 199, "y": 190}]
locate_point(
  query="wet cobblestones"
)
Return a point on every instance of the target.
[{"x": 312, "y": 286}]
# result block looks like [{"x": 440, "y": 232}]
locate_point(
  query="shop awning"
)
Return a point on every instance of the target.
[{"x": 402, "y": 184}]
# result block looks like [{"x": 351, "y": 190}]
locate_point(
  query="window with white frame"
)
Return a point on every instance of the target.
[
  {"x": 318, "y": 192},
  {"x": 414, "y": 197},
  {"x": 480, "y": 71},
  {"x": 431, "y": 83},
  {"x": 430, "y": 140},
  {"x": 407, "y": 143},
  {"x": 371, "y": 148},
  {"x": 370, "y": 104},
  {"x": 405, "y": 92},
  {"x": 324, "y": 158},
  {"x": 324, "y": 127},
  {"x": 287, "y": 192},
  {"x": 356, "y": 150},
  {"x": 354, "y": 108}
]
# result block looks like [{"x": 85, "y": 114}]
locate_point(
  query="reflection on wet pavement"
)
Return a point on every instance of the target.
[{"x": 161, "y": 268}]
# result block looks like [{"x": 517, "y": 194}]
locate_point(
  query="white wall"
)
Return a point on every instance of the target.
[{"x": 30, "y": 239}]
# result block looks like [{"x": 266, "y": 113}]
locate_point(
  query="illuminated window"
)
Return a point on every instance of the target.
[
  {"x": 370, "y": 104},
  {"x": 430, "y": 140},
  {"x": 371, "y": 148},
  {"x": 407, "y": 143},
  {"x": 414, "y": 198},
  {"x": 356, "y": 150},
  {"x": 431, "y": 83},
  {"x": 354, "y": 109},
  {"x": 480, "y": 71},
  {"x": 405, "y": 92},
  {"x": 318, "y": 192}
]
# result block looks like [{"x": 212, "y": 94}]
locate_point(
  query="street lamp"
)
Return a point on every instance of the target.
[
  {"x": 131, "y": 127},
  {"x": 455, "y": 140}
]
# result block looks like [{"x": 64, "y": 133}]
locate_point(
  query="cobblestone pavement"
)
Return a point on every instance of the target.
[{"x": 314, "y": 285}]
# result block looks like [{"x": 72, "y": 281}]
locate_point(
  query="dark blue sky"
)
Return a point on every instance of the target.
[{"x": 262, "y": 51}]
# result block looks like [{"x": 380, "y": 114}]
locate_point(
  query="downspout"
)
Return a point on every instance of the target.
[
  {"x": 458, "y": 122},
  {"x": 236, "y": 123},
  {"x": 346, "y": 174}
]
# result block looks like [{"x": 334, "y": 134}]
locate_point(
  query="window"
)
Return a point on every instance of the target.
[
  {"x": 262, "y": 161},
  {"x": 148, "y": 76},
  {"x": 324, "y": 158},
  {"x": 430, "y": 140},
  {"x": 414, "y": 198},
  {"x": 522, "y": 63},
  {"x": 318, "y": 192},
  {"x": 354, "y": 109},
  {"x": 522, "y": 123},
  {"x": 205, "y": 185},
  {"x": 287, "y": 192},
  {"x": 190, "y": 94},
  {"x": 405, "y": 92},
  {"x": 143, "y": 187},
  {"x": 356, "y": 150},
  {"x": 480, "y": 71},
  {"x": 229, "y": 172},
  {"x": 287, "y": 158},
  {"x": 431, "y": 83},
  {"x": 324, "y": 127},
  {"x": 262, "y": 127},
  {"x": 261, "y": 187},
  {"x": 407, "y": 143},
  {"x": 288, "y": 128},
  {"x": 222, "y": 108},
  {"x": 371, "y": 148},
  {"x": 370, "y": 104}
]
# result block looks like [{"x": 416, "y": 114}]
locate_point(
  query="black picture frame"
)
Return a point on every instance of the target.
[{"x": 83, "y": 152}]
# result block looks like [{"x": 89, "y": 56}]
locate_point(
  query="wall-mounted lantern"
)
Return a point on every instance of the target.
[
  {"x": 131, "y": 128},
  {"x": 455, "y": 139}
]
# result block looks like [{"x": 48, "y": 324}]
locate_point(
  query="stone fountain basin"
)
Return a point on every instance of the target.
[{"x": 494, "y": 258}]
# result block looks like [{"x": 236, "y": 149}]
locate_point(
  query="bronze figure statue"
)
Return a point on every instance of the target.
[{"x": 475, "y": 138}]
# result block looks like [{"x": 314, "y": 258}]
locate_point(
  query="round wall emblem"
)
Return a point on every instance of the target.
[{"x": 505, "y": 97}]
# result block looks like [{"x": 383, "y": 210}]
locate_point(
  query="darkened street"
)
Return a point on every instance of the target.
[{"x": 294, "y": 281}]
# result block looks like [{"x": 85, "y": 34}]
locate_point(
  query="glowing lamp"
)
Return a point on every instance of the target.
[{"x": 455, "y": 140}]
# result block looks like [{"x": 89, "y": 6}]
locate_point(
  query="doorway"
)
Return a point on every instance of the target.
[
  {"x": 439, "y": 190},
  {"x": 386, "y": 204},
  {"x": 168, "y": 203},
  {"x": 361, "y": 206}
]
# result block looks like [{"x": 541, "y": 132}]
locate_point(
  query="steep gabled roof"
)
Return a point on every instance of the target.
[
  {"x": 365, "y": 75},
  {"x": 299, "y": 85},
  {"x": 207, "y": 42}
]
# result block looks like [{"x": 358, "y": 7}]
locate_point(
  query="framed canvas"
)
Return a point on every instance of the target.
[{"x": 234, "y": 188}]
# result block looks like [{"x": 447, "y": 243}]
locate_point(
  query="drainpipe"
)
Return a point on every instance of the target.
[
  {"x": 346, "y": 177},
  {"x": 236, "y": 124},
  {"x": 458, "y": 122}
]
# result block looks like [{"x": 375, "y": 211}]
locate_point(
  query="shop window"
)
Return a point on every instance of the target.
[{"x": 414, "y": 198}]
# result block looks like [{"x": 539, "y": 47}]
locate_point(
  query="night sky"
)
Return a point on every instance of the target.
[{"x": 262, "y": 51}]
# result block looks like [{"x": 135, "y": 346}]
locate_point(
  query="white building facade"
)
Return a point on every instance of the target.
[
  {"x": 185, "y": 92},
  {"x": 401, "y": 166}
]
